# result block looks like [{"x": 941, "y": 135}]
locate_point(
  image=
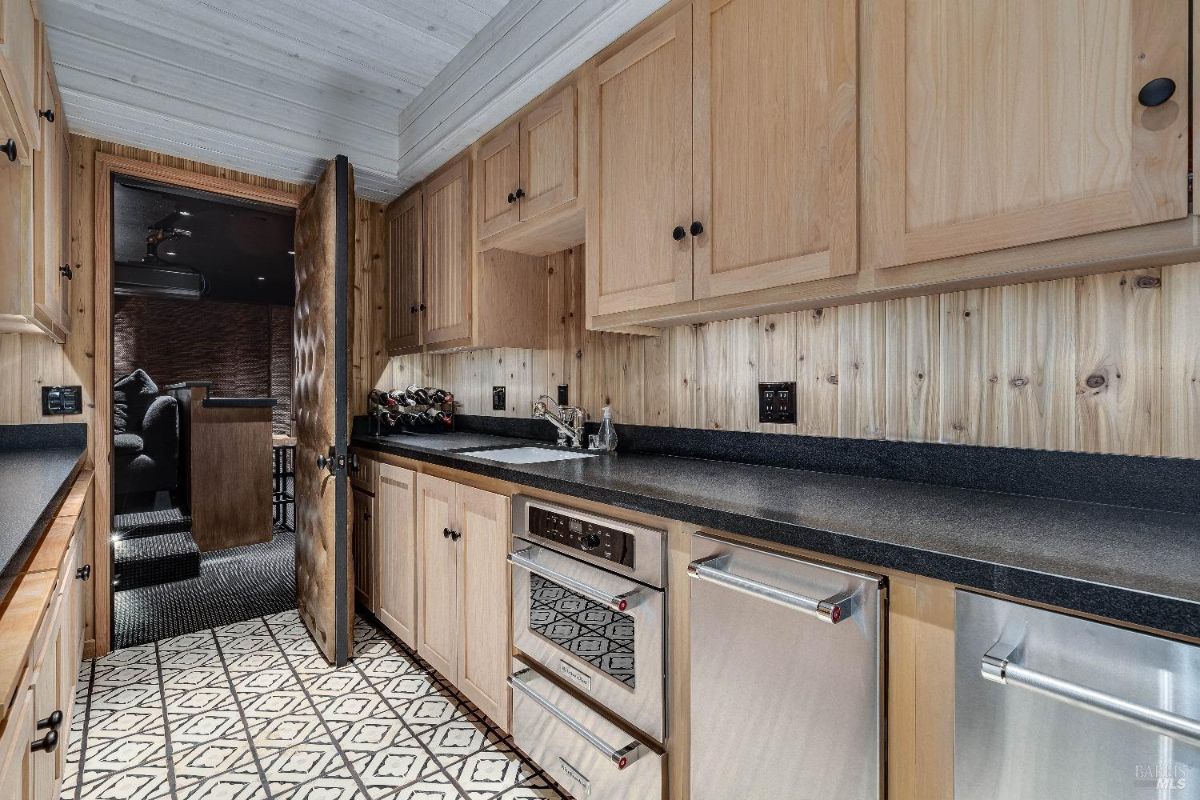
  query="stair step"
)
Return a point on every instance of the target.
[
  {"x": 153, "y": 559},
  {"x": 151, "y": 523}
]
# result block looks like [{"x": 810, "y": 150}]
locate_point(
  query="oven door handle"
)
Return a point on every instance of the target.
[
  {"x": 620, "y": 757},
  {"x": 614, "y": 602}
]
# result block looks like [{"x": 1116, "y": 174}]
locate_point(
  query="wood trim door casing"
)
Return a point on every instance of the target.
[
  {"x": 775, "y": 140},
  {"x": 498, "y": 173},
  {"x": 550, "y": 169},
  {"x": 405, "y": 273},
  {"x": 106, "y": 166},
  {"x": 1128, "y": 164},
  {"x": 648, "y": 268},
  {"x": 448, "y": 261}
]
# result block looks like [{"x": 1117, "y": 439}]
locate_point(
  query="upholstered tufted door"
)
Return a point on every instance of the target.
[{"x": 324, "y": 582}]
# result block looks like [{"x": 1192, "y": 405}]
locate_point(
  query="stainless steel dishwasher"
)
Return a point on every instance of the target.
[
  {"x": 1051, "y": 706},
  {"x": 786, "y": 677}
]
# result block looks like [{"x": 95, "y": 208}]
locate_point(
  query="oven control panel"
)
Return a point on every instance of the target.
[{"x": 589, "y": 537}]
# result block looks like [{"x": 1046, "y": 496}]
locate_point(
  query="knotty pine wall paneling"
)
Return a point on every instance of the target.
[{"x": 1102, "y": 363}]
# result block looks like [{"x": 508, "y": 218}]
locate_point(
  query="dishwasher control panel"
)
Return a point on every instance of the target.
[{"x": 601, "y": 541}]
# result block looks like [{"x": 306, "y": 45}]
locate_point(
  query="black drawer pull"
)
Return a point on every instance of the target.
[
  {"x": 52, "y": 722},
  {"x": 10, "y": 149},
  {"x": 84, "y": 573},
  {"x": 46, "y": 744},
  {"x": 47, "y": 114}
]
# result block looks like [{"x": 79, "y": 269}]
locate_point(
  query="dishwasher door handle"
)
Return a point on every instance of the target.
[
  {"x": 830, "y": 609},
  {"x": 999, "y": 667},
  {"x": 620, "y": 757},
  {"x": 614, "y": 602}
]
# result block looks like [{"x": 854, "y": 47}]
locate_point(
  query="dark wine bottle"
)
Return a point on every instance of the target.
[
  {"x": 419, "y": 395},
  {"x": 401, "y": 398}
]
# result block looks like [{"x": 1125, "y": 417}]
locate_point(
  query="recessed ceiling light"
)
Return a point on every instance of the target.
[
  {"x": 261, "y": 278},
  {"x": 291, "y": 252},
  {"x": 170, "y": 253},
  {"x": 185, "y": 213}
]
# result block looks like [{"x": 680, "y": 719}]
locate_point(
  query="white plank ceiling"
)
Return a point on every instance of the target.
[{"x": 277, "y": 87}]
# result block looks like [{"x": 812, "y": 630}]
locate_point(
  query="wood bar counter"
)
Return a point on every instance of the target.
[{"x": 226, "y": 447}]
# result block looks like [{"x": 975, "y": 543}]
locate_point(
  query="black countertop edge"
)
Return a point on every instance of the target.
[
  {"x": 240, "y": 402},
  {"x": 43, "y": 437},
  {"x": 1151, "y": 482},
  {"x": 1165, "y": 613},
  {"x": 45, "y": 516}
]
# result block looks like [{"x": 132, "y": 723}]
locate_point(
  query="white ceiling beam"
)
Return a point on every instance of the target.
[{"x": 528, "y": 46}]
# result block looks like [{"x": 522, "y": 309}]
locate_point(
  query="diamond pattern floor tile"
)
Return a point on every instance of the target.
[{"x": 253, "y": 711}]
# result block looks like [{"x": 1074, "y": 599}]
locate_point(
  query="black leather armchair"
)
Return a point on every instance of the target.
[{"x": 145, "y": 436}]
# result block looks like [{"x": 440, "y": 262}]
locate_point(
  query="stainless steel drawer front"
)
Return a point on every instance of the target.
[
  {"x": 786, "y": 693},
  {"x": 598, "y": 632},
  {"x": 1048, "y": 705},
  {"x": 588, "y": 755}
]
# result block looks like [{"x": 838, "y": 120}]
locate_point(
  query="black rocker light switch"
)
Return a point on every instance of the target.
[
  {"x": 777, "y": 403},
  {"x": 499, "y": 398},
  {"x": 57, "y": 400}
]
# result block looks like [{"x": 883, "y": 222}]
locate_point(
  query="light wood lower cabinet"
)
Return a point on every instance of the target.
[
  {"x": 396, "y": 550},
  {"x": 16, "y": 760},
  {"x": 464, "y": 628}
]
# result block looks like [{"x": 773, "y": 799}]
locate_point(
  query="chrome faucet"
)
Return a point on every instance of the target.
[{"x": 567, "y": 419}]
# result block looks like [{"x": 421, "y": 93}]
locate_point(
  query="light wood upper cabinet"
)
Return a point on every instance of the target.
[
  {"x": 437, "y": 627},
  {"x": 484, "y": 590},
  {"x": 640, "y": 153},
  {"x": 20, "y": 67},
  {"x": 53, "y": 275},
  {"x": 498, "y": 171},
  {"x": 404, "y": 247},
  {"x": 448, "y": 253},
  {"x": 775, "y": 141},
  {"x": 993, "y": 124},
  {"x": 549, "y": 159},
  {"x": 395, "y": 534}
]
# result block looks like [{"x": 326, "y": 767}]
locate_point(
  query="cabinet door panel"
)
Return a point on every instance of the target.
[
  {"x": 437, "y": 629},
  {"x": 548, "y": 158},
  {"x": 776, "y": 142},
  {"x": 397, "y": 550},
  {"x": 484, "y": 595},
  {"x": 20, "y": 65},
  {"x": 404, "y": 272},
  {"x": 640, "y": 141},
  {"x": 16, "y": 780},
  {"x": 998, "y": 123},
  {"x": 46, "y": 700},
  {"x": 499, "y": 176},
  {"x": 448, "y": 250},
  {"x": 51, "y": 288},
  {"x": 362, "y": 533}
]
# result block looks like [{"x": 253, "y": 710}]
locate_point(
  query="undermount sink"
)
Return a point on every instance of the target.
[{"x": 527, "y": 455}]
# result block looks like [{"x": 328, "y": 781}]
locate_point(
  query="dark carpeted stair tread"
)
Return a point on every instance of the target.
[
  {"x": 160, "y": 558},
  {"x": 151, "y": 523}
]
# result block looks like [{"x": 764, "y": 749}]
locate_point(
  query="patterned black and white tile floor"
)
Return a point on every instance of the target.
[{"x": 251, "y": 710}]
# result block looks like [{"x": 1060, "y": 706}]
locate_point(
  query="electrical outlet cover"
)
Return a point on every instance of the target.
[
  {"x": 499, "y": 398},
  {"x": 777, "y": 403}
]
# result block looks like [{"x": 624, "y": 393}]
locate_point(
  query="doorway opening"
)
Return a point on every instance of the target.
[{"x": 202, "y": 294}]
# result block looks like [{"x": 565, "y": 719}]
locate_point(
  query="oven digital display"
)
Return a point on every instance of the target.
[{"x": 601, "y": 541}]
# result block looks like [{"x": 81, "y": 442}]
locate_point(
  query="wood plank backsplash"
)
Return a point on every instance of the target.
[{"x": 1104, "y": 363}]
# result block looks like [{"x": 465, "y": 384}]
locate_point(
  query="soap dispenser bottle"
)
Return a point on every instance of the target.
[{"x": 606, "y": 437}]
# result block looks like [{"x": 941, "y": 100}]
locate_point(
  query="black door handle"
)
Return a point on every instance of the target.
[
  {"x": 47, "y": 744},
  {"x": 678, "y": 233},
  {"x": 696, "y": 228},
  {"x": 1156, "y": 92},
  {"x": 84, "y": 573},
  {"x": 10, "y": 149}
]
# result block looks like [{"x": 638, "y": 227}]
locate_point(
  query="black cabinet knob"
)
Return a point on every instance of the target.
[
  {"x": 421, "y": 307},
  {"x": 455, "y": 535},
  {"x": 413, "y": 309},
  {"x": 46, "y": 744},
  {"x": 66, "y": 271},
  {"x": 519, "y": 193},
  {"x": 696, "y": 228},
  {"x": 678, "y": 233},
  {"x": 1156, "y": 92},
  {"x": 445, "y": 533},
  {"x": 84, "y": 573},
  {"x": 10, "y": 149},
  {"x": 512, "y": 198},
  {"x": 52, "y": 722},
  {"x": 47, "y": 115}
]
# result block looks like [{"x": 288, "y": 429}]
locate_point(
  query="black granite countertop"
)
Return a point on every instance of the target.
[
  {"x": 1136, "y": 565},
  {"x": 37, "y": 466}
]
